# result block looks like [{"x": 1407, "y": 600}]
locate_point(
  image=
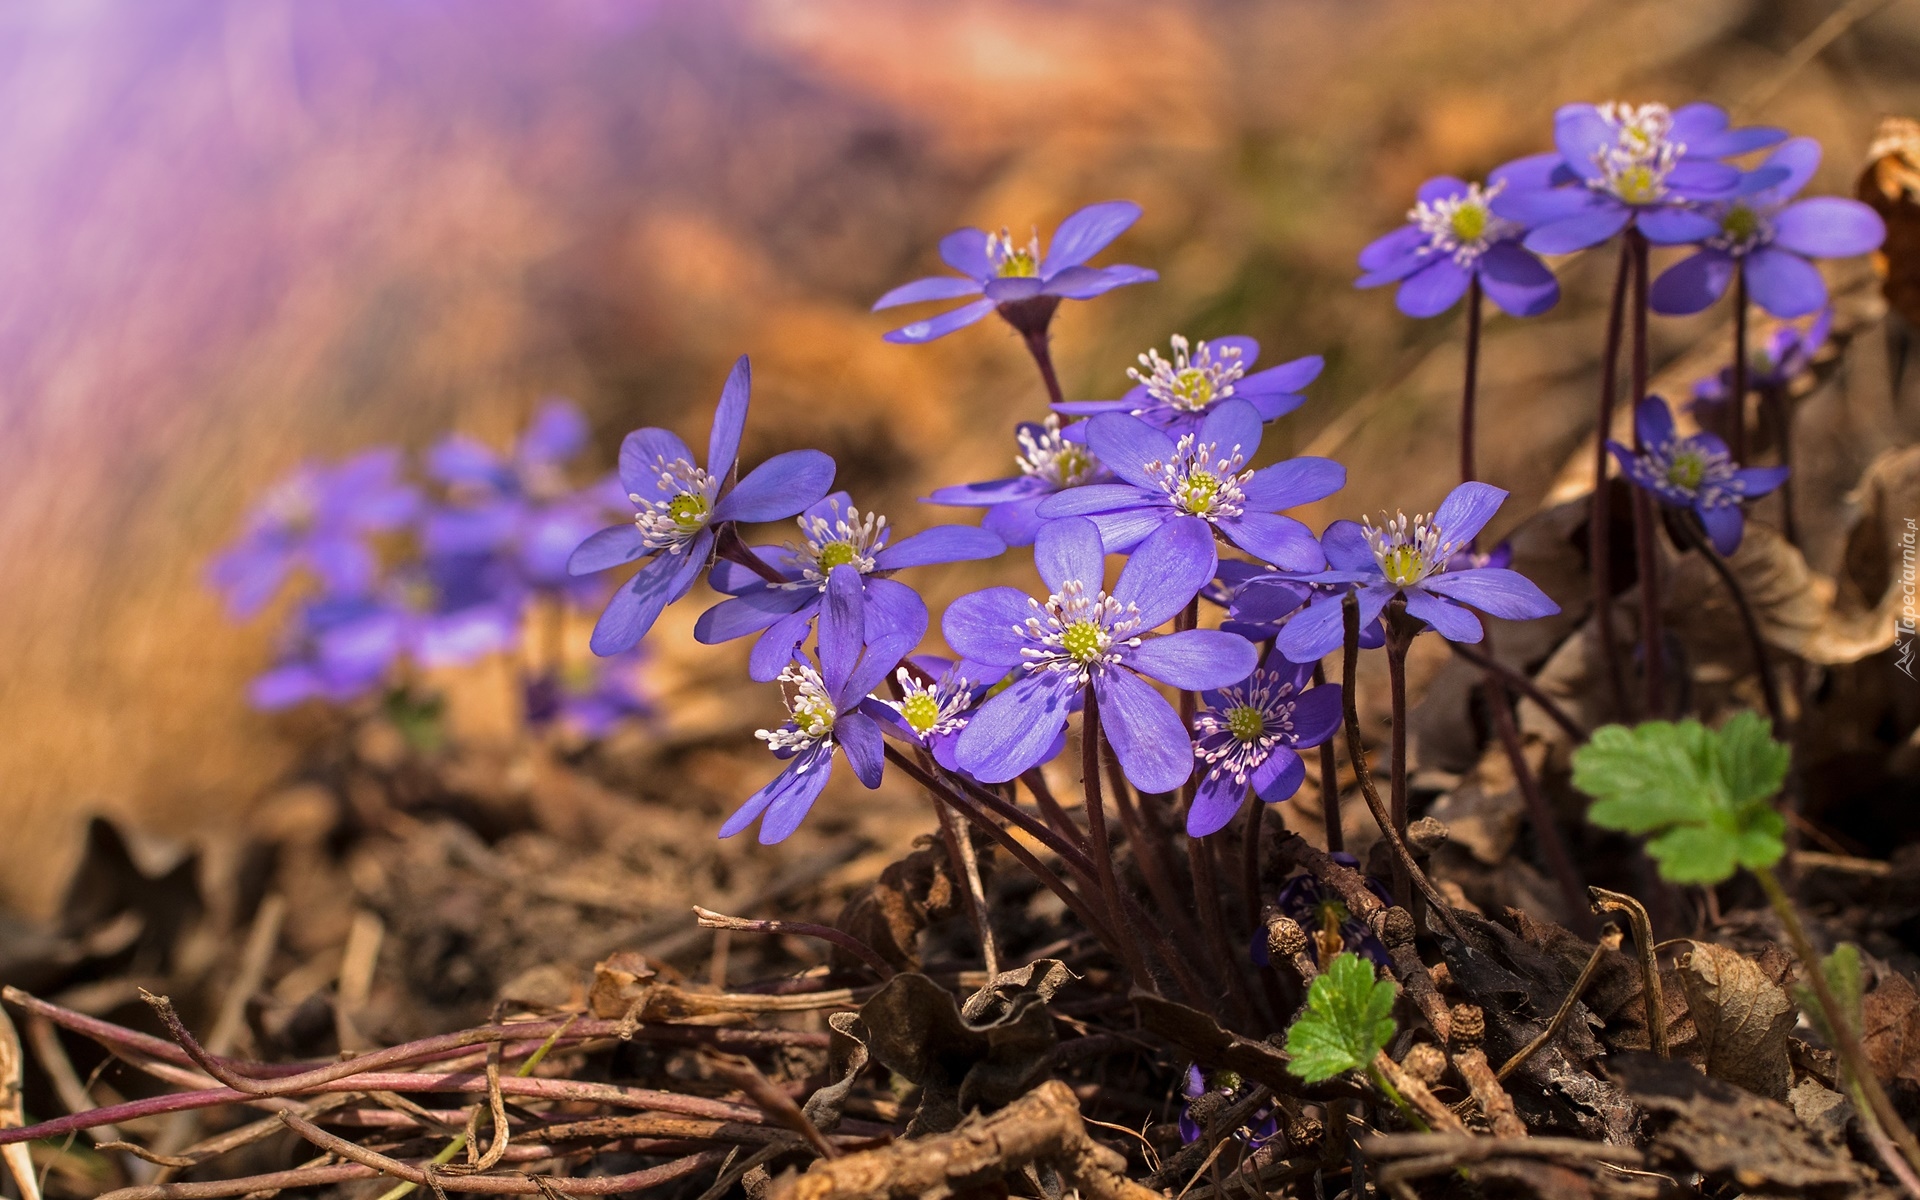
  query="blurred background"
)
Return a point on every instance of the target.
[{"x": 237, "y": 235}]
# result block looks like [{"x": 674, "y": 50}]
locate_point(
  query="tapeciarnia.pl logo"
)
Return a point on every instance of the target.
[{"x": 1904, "y": 625}]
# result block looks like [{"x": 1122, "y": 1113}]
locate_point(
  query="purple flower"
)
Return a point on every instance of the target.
[
  {"x": 683, "y": 510},
  {"x": 1319, "y": 909},
  {"x": 833, "y": 533},
  {"x": 1228, "y": 1084},
  {"x": 1771, "y": 364},
  {"x": 460, "y": 607},
  {"x": 1002, "y": 273},
  {"x": 1451, "y": 237},
  {"x": 1246, "y": 737},
  {"x": 1082, "y": 636},
  {"x": 1620, "y": 164},
  {"x": 1411, "y": 558},
  {"x": 520, "y": 504},
  {"x": 824, "y": 713},
  {"x": 1775, "y": 235},
  {"x": 1694, "y": 473},
  {"x": 1176, "y": 394},
  {"x": 590, "y": 699},
  {"x": 1201, "y": 476},
  {"x": 338, "y": 649},
  {"x": 936, "y": 697},
  {"x": 317, "y": 518},
  {"x": 1049, "y": 462}
]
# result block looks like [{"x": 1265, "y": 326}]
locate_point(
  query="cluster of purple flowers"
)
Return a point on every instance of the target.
[{"x": 431, "y": 576}]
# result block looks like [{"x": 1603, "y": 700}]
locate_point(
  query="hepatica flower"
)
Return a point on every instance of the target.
[
  {"x": 1245, "y": 738},
  {"x": 1774, "y": 235},
  {"x": 1203, "y": 476},
  {"x": 1082, "y": 636},
  {"x": 823, "y": 714},
  {"x": 833, "y": 533},
  {"x": 1001, "y": 271},
  {"x": 590, "y": 698},
  {"x": 1330, "y": 925},
  {"x": 682, "y": 509},
  {"x": 1048, "y": 463},
  {"x": 1228, "y": 1087},
  {"x": 318, "y": 518},
  {"x": 1694, "y": 473},
  {"x": 1175, "y": 393},
  {"x": 338, "y": 649},
  {"x": 934, "y": 702},
  {"x": 1771, "y": 364},
  {"x": 1452, "y": 237},
  {"x": 1412, "y": 558},
  {"x": 1619, "y": 164}
]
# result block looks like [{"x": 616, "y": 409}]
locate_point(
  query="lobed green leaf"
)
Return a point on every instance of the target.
[{"x": 1348, "y": 1020}]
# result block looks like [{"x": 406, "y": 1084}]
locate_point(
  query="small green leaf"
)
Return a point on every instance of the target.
[
  {"x": 1702, "y": 794},
  {"x": 1349, "y": 1019}
]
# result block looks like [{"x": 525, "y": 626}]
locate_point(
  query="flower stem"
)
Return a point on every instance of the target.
[
  {"x": 1392, "y": 1093},
  {"x": 1780, "y": 412},
  {"x": 1737, "y": 393},
  {"x": 1399, "y": 636},
  {"x": 727, "y": 545},
  {"x": 1853, "y": 1055},
  {"x": 1653, "y": 668},
  {"x": 1097, "y": 844},
  {"x": 1033, "y": 318},
  {"x": 1762, "y": 664},
  {"x": 1329, "y": 783},
  {"x": 1470, "y": 389},
  {"x": 1600, "y": 520}
]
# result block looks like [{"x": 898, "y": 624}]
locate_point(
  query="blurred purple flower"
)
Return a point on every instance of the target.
[
  {"x": 337, "y": 650},
  {"x": 1411, "y": 558},
  {"x": 1771, "y": 364},
  {"x": 993, "y": 268},
  {"x": 833, "y": 533},
  {"x": 1174, "y": 395},
  {"x": 1452, "y": 237},
  {"x": 1246, "y": 737},
  {"x": 684, "y": 509},
  {"x": 317, "y": 518},
  {"x": 1200, "y": 476},
  {"x": 1049, "y": 462},
  {"x": 592, "y": 698},
  {"x": 1083, "y": 636},
  {"x": 1776, "y": 235},
  {"x": 1619, "y": 164},
  {"x": 1694, "y": 473}
]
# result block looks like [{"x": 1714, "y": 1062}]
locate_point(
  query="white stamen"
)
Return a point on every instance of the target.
[
  {"x": 1201, "y": 481},
  {"x": 1079, "y": 633},
  {"x": 673, "y": 523},
  {"x": 1409, "y": 551},
  {"x": 810, "y": 708},
  {"x": 1269, "y": 694},
  {"x": 1464, "y": 225},
  {"x": 1192, "y": 380},
  {"x": 1635, "y": 167},
  {"x": 848, "y": 538},
  {"x": 1010, "y": 261},
  {"x": 932, "y": 708},
  {"x": 1052, "y": 457}
]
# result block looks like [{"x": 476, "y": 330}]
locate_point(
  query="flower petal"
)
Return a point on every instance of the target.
[
  {"x": 1069, "y": 551},
  {"x": 1007, "y": 288},
  {"x": 1448, "y": 619},
  {"x": 1544, "y": 206},
  {"x": 843, "y": 625},
  {"x": 1828, "y": 227},
  {"x": 1294, "y": 482},
  {"x": 1279, "y": 777},
  {"x": 612, "y": 546},
  {"x": 1784, "y": 284},
  {"x": 1319, "y": 629},
  {"x": 1317, "y": 714},
  {"x": 1653, "y": 421},
  {"x": 1693, "y": 283},
  {"x": 1799, "y": 158},
  {"x": 1013, "y": 731},
  {"x": 989, "y": 626},
  {"x": 933, "y": 287},
  {"x": 1215, "y": 801},
  {"x": 640, "y": 601},
  {"x": 1287, "y": 377},
  {"x": 1516, "y": 280},
  {"x": 1701, "y": 179},
  {"x": 1725, "y": 526},
  {"x": 941, "y": 544},
  {"x": 780, "y": 644},
  {"x": 1577, "y": 233},
  {"x": 1231, "y": 425},
  {"x": 965, "y": 250},
  {"x": 1086, "y": 233},
  {"x": 642, "y": 453},
  {"x": 1676, "y": 226},
  {"x": 729, "y": 419},
  {"x": 1014, "y": 522},
  {"x": 1758, "y": 481},
  {"x": 1280, "y": 541},
  {"x": 1084, "y": 283},
  {"x": 859, "y": 736},
  {"x": 1345, "y": 545},
  {"x": 1433, "y": 289},
  {"x": 920, "y": 332},
  {"x": 1467, "y": 509},
  {"x": 1383, "y": 253},
  {"x": 1098, "y": 498},
  {"x": 1167, "y": 571},
  {"x": 1195, "y": 659},
  {"x": 895, "y": 612},
  {"x": 1154, "y": 749},
  {"x": 749, "y": 612},
  {"x": 1125, "y": 445},
  {"x": 778, "y": 488},
  {"x": 1580, "y": 133},
  {"x": 1497, "y": 591},
  {"x": 1532, "y": 173}
]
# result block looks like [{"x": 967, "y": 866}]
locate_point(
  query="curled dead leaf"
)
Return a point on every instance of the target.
[{"x": 1742, "y": 1019}]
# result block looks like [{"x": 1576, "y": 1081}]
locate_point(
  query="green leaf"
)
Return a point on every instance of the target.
[
  {"x": 1702, "y": 794},
  {"x": 1349, "y": 1019}
]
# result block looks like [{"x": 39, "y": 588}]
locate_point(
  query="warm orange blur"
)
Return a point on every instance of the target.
[{"x": 233, "y": 235}]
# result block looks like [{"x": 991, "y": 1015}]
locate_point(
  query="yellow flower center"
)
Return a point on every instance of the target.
[
  {"x": 1469, "y": 222},
  {"x": 1018, "y": 264},
  {"x": 920, "y": 711},
  {"x": 1404, "y": 566},
  {"x": 813, "y": 715},
  {"x": 1198, "y": 492},
  {"x": 1638, "y": 185},
  {"x": 1686, "y": 470},
  {"x": 1246, "y": 722},
  {"x": 837, "y": 554},
  {"x": 688, "y": 511},
  {"x": 1194, "y": 388},
  {"x": 1083, "y": 641},
  {"x": 1740, "y": 223}
]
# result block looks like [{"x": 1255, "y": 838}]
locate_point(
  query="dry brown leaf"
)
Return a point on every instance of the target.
[
  {"x": 1891, "y": 184},
  {"x": 1891, "y": 1028},
  {"x": 1742, "y": 1019}
]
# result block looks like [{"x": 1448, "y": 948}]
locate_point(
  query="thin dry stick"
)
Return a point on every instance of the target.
[
  {"x": 12, "y": 1111},
  {"x": 1762, "y": 664},
  {"x": 1519, "y": 682},
  {"x": 1097, "y": 847},
  {"x": 357, "y": 964},
  {"x": 1329, "y": 784},
  {"x": 778, "y": 1106},
  {"x": 1609, "y": 940},
  {"x": 961, "y": 854},
  {"x": 59, "y": 1069},
  {"x": 1651, "y": 995},
  {"x": 1470, "y": 1059},
  {"x": 852, "y": 945},
  {"x": 1545, "y": 828}
]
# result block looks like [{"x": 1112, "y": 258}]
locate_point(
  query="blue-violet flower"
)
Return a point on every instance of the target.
[{"x": 1694, "y": 473}]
